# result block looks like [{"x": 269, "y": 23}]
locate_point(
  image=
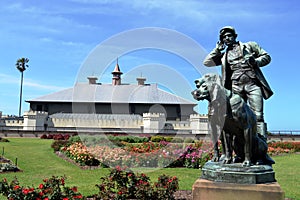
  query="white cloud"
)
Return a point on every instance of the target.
[{"x": 8, "y": 79}]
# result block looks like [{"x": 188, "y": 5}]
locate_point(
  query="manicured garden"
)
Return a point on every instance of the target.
[{"x": 38, "y": 162}]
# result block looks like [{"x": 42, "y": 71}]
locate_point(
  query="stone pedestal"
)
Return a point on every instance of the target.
[
  {"x": 210, "y": 190},
  {"x": 237, "y": 173},
  {"x": 236, "y": 182}
]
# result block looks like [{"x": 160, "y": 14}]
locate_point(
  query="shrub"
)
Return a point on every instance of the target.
[
  {"x": 122, "y": 184},
  {"x": 44, "y": 136},
  {"x": 74, "y": 139},
  {"x": 4, "y": 140},
  {"x": 58, "y": 137},
  {"x": 128, "y": 138},
  {"x": 50, "y": 136},
  {"x": 188, "y": 140},
  {"x": 157, "y": 138},
  {"x": 51, "y": 189},
  {"x": 177, "y": 140},
  {"x": 168, "y": 139},
  {"x": 58, "y": 144},
  {"x": 79, "y": 153}
]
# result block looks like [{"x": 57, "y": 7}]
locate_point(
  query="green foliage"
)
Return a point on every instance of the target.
[
  {"x": 74, "y": 139},
  {"x": 121, "y": 184},
  {"x": 157, "y": 138},
  {"x": 167, "y": 139},
  {"x": 189, "y": 140},
  {"x": 128, "y": 138},
  {"x": 177, "y": 140}
]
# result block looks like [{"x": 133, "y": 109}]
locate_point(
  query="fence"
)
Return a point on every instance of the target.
[{"x": 284, "y": 135}]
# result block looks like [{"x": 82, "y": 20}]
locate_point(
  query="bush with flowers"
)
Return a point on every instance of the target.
[
  {"x": 121, "y": 184},
  {"x": 53, "y": 188},
  {"x": 195, "y": 157},
  {"x": 79, "y": 153}
]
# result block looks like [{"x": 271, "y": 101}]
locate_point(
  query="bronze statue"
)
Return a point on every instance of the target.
[
  {"x": 231, "y": 118},
  {"x": 241, "y": 72}
]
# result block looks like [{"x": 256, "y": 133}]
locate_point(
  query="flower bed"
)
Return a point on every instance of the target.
[
  {"x": 276, "y": 148},
  {"x": 7, "y": 166},
  {"x": 146, "y": 154},
  {"x": 149, "y": 154}
]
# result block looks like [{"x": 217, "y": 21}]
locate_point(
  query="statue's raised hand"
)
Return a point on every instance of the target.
[{"x": 220, "y": 46}]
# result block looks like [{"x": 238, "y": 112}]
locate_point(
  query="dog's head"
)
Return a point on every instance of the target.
[
  {"x": 204, "y": 86},
  {"x": 201, "y": 92}
]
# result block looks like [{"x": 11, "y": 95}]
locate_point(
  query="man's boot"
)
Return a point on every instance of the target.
[{"x": 262, "y": 130}]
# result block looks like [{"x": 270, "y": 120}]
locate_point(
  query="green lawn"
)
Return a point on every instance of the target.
[
  {"x": 287, "y": 174},
  {"x": 37, "y": 160}
]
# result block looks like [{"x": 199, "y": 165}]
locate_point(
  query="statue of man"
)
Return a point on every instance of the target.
[{"x": 241, "y": 72}]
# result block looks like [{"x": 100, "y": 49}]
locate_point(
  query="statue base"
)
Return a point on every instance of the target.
[
  {"x": 236, "y": 173},
  {"x": 210, "y": 190}
]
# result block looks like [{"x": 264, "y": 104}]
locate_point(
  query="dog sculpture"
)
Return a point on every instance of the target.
[{"x": 232, "y": 121}]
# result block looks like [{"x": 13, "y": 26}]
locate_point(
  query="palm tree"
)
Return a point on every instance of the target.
[{"x": 21, "y": 66}]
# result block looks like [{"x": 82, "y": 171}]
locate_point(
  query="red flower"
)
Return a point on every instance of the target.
[
  {"x": 65, "y": 198},
  {"x": 16, "y": 187},
  {"x": 25, "y": 191},
  {"x": 41, "y": 186},
  {"x": 74, "y": 189},
  {"x": 62, "y": 181},
  {"x": 46, "y": 198}
]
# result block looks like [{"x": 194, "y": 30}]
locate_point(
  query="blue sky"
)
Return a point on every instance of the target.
[{"x": 59, "y": 35}]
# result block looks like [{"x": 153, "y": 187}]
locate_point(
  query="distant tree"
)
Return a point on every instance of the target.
[{"x": 21, "y": 65}]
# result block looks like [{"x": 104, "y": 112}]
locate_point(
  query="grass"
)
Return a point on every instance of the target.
[
  {"x": 37, "y": 160},
  {"x": 287, "y": 174}
]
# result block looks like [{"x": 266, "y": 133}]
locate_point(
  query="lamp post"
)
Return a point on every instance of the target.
[{"x": 21, "y": 65}]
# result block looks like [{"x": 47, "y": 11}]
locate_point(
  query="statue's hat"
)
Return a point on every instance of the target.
[{"x": 227, "y": 29}]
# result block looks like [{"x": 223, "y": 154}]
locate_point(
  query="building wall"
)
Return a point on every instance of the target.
[
  {"x": 148, "y": 123},
  {"x": 171, "y": 111}
]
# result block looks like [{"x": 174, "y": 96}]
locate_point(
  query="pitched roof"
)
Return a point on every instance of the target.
[{"x": 107, "y": 93}]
